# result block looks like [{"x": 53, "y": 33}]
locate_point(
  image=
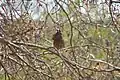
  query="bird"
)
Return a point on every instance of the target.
[{"x": 58, "y": 41}]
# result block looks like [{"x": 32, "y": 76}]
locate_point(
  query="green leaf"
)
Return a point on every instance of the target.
[{"x": 100, "y": 55}]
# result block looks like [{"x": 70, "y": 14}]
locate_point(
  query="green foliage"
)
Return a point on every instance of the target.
[
  {"x": 101, "y": 55},
  {"x": 2, "y": 77}
]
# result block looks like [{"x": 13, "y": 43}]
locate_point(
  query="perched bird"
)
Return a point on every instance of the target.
[{"x": 58, "y": 41}]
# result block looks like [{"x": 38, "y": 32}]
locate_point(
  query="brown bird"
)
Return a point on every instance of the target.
[{"x": 58, "y": 40}]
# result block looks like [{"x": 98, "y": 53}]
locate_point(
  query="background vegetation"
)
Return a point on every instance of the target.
[{"x": 90, "y": 31}]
